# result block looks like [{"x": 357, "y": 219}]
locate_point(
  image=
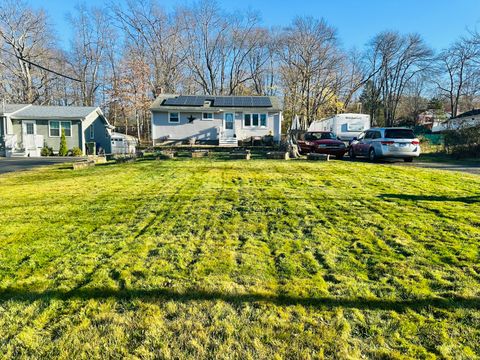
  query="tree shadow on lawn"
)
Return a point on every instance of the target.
[
  {"x": 155, "y": 295},
  {"x": 464, "y": 199}
]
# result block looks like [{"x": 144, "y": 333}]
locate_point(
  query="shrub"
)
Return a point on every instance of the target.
[
  {"x": 76, "y": 151},
  {"x": 46, "y": 151},
  {"x": 463, "y": 142},
  {"x": 63, "y": 151}
]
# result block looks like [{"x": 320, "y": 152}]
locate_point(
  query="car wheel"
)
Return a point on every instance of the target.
[
  {"x": 351, "y": 154},
  {"x": 372, "y": 156},
  {"x": 339, "y": 157},
  {"x": 408, "y": 159}
]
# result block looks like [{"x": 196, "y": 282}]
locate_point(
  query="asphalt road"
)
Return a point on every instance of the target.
[{"x": 26, "y": 163}]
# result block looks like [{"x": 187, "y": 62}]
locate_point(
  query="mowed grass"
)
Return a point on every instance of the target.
[{"x": 206, "y": 258}]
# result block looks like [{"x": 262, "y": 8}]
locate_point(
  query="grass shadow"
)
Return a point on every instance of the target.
[
  {"x": 464, "y": 199},
  {"x": 12, "y": 294}
]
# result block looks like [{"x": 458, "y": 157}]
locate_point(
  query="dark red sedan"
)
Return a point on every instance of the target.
[{"x": 322, "y": 142}]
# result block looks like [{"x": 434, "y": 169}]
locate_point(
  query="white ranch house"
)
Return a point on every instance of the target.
[{"x": 221, "y": 120}]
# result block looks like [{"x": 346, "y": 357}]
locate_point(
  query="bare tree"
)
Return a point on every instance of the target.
[
  {"x": 26, "y": 38},
  {"x": 458, "y": 71},
  {"x": 395, "y": 59},
  {"x": 413, "y": 100},
  {"x": 88, "y": 50},
  {"x": 133, "y": 91},
  {"x": 310, "y": 67},
  {"x": 156, "y": 38},
  {"x": 355, "y": 74},
  {"x": 229, "y": 50}
]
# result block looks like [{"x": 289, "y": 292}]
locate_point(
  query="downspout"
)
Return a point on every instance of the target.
[
  {"x": 82, "y": 138},
  {"x": 280, "y": 117},
  {"x": 152, "y": 128}
]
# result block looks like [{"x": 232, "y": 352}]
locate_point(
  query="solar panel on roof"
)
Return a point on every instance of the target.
[
  {"x": 261, "y": 101},
  {"x": 184, "y": 100},
  {"x": 174, "y": 101},
  {"x": 220, "y": 101},
  {"x": 189, "y": 100},
  {"x": 199, "y": 100},
  {"x": 242, "y": 101}
]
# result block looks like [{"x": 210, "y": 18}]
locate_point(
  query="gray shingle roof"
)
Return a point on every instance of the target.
[
  {"x": 473, "y": 112},
  {"x": 10, "y": 108},
  {"x": 57, "y": 112}
]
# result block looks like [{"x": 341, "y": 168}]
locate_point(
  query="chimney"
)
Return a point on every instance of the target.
[{"x": 158, "y": 90}]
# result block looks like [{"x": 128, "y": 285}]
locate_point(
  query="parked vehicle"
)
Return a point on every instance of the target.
[
  {"x": 386, "y": 143},
  {"x": 345, "y": 126},
  {"x": 322, "y": 142}
]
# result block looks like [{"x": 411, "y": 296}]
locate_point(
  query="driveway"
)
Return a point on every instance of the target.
[
  {"x": 467, "y": 167},
  {"x": 470, "y": 168},
  {"x": 26, "y": 163}
]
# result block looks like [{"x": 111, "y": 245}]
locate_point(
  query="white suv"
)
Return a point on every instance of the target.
[{"x": 386, "y": 143}]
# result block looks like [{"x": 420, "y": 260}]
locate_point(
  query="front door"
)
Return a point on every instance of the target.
[
  {"x": 29, "y": 130},
  {"x": 228, "y": 125}
]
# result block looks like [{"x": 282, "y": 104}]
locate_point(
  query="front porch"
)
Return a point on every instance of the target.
[{"x": 27, "y": 145}]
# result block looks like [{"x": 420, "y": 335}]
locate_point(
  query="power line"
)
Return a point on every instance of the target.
[{"x": 40, "y": 66}]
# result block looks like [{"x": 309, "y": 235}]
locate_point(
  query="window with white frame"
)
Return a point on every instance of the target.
[
  {"x": 207, "y": 116},
  {"x": 92, "y": 132},
  {"x": 30, "y": 128},
  {"x": 263, "y": 120},
  {"x": 55, "y": 128},
  {"x": 67, "y": 127},
  {"x": 247, "y": 120},
  {"x": 174, "y": 117},
  {"x": 255, "y": 120}
]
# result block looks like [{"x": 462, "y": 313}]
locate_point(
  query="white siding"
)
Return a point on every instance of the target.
[
  {"x": 208, "y": 130},
  {"x": 200, "y": 129}
]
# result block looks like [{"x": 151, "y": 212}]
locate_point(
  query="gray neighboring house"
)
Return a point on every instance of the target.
[
  {"x": 25, "y": 129},
  {"x": 221, "y": 120}
]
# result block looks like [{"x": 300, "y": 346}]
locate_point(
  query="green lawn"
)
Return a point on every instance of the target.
[{"x": 205, "y": 258}]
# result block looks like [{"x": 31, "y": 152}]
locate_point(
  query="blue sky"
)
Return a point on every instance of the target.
[{"x": 439, "y": 21}]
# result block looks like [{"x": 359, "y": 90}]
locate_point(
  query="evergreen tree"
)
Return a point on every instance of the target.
[{"x": 63, "y": 151}]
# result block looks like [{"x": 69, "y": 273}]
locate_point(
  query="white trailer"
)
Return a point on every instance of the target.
[{"x": 345, "y": 126}]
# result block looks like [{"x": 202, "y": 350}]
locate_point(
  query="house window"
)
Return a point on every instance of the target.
[
  {"x": 67, "y": 127},
  {"x": 92, "y": 132},
  {"x": 207, "y": 116},
  {"x": 255, "y": 120},
  {"x": 174, "y": 117},
  {"x": 247, "y": 120},
  {"x": 30, "y": 129},
  {"x": 263, "y": 120},
  {"x": 55, "y": 128}
]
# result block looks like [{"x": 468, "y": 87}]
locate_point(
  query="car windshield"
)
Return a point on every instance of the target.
[
  {"x": 320, "y": 136},
  {"x": 399, "y": 134}
]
